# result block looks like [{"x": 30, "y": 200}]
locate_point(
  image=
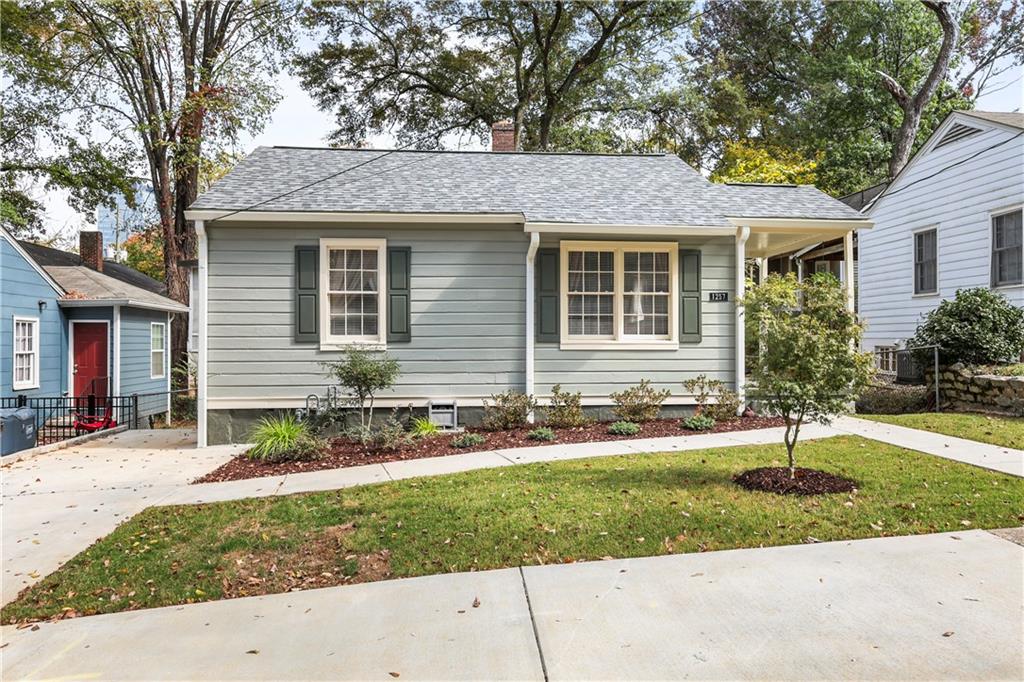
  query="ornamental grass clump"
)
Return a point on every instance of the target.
[
  {"x": 641, "y": 403},
  {"x": 421, "y": 427},
  {"x": 283, "y": 438}
]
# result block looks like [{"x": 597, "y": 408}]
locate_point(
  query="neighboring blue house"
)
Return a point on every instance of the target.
[
  {"x": 120, "y": 222},
  {"x": 77, "y": 325}
]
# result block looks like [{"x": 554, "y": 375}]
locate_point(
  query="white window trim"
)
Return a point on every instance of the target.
[
  {"x": 329, "y": 341},
  {"x": 992, "y": 215},
  {"x": 163, "y": 365},
  {"x": 619, "y": 340},
  {"x": 913, "y": 263},
  {"x": 36, "y": 342}
]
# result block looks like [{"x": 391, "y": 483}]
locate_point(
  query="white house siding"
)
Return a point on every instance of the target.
[
  {"x": 597, "y": 373},
  {"x": 958, "y": 202}
]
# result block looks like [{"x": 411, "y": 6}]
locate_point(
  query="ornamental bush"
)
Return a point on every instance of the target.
[
  {"x": 725, "y": 408},
  {"x": 977, "y": 327},
  {"x": 468, "y": 440},
  {"x": 364, "y": 374},
  {"x": 640, "y": 403},
  {"x": 623, "y": 428},
  {"x": 699, "y": 422},
  {"x": 541, "y": 433},
  {"x": 509, "y": 410},
  {"x": 565, "y": 411}
]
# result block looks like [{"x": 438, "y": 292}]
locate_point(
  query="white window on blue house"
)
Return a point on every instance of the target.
[
  {"x": 619, "y": 294},
  {"x": 157, "y": 350},
  {"x": 1007, "y": 249},
  {"x": 352, "y": 291},
  {"x": 26, "y": 353}
]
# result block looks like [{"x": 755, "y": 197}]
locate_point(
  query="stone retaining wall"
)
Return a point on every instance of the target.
[{"x": 960, "y": 388}]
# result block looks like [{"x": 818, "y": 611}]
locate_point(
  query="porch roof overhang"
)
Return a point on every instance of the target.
[
  {"x": 126, "y": 302},
  {"x": 773, "y": 236}
]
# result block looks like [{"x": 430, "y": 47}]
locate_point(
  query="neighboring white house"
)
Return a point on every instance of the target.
[{"x": 950, "y": 220}]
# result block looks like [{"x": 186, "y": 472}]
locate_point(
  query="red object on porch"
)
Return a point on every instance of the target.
[
  {"x": 93, "y": 423},
  {"x": 90, "y": 353}
]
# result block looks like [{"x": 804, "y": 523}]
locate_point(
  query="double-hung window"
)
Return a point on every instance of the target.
[
  {"x": 26, "y": 353},
  {"x": 619, "y": 294},
  {"x": 926, "y": 270},
  {"x": 1007, "y": 249},
  {"x": 157, "y": 350},
  {"x": 352, "y": 291}
]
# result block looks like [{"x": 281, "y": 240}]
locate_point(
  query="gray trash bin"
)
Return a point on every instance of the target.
[{"x": 17, "y": 429}]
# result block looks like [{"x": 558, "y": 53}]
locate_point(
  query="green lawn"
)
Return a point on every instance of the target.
[
  {"x": 1005, "y": 431},
  {"x": 628, "y": 506}
]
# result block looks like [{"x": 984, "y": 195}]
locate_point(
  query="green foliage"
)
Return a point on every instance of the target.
[
  {"x": 145, "y": 252},
  {"x": 389, "y": 436},
  {"x": 726, "y": 405},
  {"x": 541, "y": 433},
  {"x": 468, "y": 440},
  {"x": 977, "y": 327},
  {"x": 809, "y": 367},
  {"x": 510, "y": 410},
  {"x": 640, "y": 403},
  {"x": 363, "y": 374},
  {"x": 422, "y": 427},
  {"x": 565, "y": 409},
  {"x": 282, "y": 438},
  {"x": 893, "y": 399},
  {"x": 623, "y": 428},
  {"x": 699, "y": 422},
  {"x": 750, "y": 161}
]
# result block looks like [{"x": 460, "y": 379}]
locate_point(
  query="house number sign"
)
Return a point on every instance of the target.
[{"x": 718, "y": 296}]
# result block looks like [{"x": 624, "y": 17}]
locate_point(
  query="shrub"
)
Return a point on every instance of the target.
[
  {"x": 283, "y": 438},
  {"x": 724, "y": 408},
  {"x": 699, "y": 422},
  {"x": 541, "y": 433},
  {"x": 510, "y": 410},
  {"x": 422, "y": 427},
  {"x": 978, "y": 327},
  {"x": 565, "y": 410},
  {"x": 640, "y": 403},
  {"x": 391, "y": 435},
  {"x": 363, "y": 375},
  {"x": 893, "y": 399},
  {"x": 468, "y": 440},
  {"x": 623, "y": 428}
]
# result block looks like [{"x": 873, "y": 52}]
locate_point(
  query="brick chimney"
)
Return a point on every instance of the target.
[
  {"x": 90, "y": 248},
  {"x": 503, "y": 136}
]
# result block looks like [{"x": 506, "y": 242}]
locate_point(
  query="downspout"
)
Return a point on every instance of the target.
[
  {"x": 742, "y": 234},
  {"x": 531, "y": 255},
  {"x": 200, "y": 298}
]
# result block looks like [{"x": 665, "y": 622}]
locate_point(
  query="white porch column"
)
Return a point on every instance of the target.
[
  {"x": 199, "y": 299},
  {"x": 115, "y": 381},
  {"x": 531, "y": 255},
  {"x": 742, "y": 234},
  {"x": 848, "y": 270},
  {"x": 762, "y": 270}
]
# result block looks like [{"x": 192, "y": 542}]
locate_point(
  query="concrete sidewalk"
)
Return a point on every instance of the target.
[
  {"x": 994, "y": 457},
  {"x": 945, "y": 606}
]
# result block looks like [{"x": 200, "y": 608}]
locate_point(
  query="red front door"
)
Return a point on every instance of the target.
[{"x": 90, "y": 353}]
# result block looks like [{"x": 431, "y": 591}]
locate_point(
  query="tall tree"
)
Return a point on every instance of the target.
[
  {"x": 560, "y": 71},
  {"x": 179, "y": 80}
]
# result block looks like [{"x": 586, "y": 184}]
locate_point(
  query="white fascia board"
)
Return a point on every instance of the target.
[
  {"x": 223, "y": 217},
  {"x": 104, "y": 302},
  {"x": 626, "y": 229},
  {"x": 824, "y": 225},
  {"x": 31, "y": 261}
]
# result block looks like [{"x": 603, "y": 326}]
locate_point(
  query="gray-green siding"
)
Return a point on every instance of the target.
[{"x": 468, "y": 327}]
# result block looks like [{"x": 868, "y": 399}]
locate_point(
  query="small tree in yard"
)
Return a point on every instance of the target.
[
  {"x": 364, "y": 374},
  {"x": 809, "y": 368}
]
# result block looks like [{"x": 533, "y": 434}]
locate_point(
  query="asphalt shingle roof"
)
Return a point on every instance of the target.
[
  {"x": 639, "y": 189},
  {"x": 1009, "y": 118}
]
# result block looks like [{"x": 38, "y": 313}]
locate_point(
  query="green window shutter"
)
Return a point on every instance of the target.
[
  {"x": 547, "y": 295},
  {"x": 307, "y": 294},
  {"x": 689, "y": 296},
  {"x": 399, "y": 308}
]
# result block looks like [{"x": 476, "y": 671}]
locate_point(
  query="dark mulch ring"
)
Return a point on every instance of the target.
[
  {"x": 807, "y": 481},
  {"x": 344, "y": 453}
]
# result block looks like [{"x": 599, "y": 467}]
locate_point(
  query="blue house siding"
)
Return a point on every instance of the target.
[
  {"x": 21, "y": 290},
  {"x": 136, "y": 375}
]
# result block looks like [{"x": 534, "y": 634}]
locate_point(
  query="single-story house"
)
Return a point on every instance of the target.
[
  {"x": 75, "y": 324},
  {"x": 479, "y": 272},
  {"x": 950, "y": 220}
]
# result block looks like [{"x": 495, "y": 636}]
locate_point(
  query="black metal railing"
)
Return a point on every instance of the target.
[{"x": 59, "y": 418}]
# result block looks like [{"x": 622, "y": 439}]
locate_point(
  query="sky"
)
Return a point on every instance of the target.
[{"x": 297, "y": 122}]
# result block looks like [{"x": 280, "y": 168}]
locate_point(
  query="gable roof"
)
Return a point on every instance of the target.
[
  {"x": 117, "y": 284},
  {"x": 597, "y": 189},
  {"x": 1014, "y": 119},
  {"x": 20, "y": 250}
]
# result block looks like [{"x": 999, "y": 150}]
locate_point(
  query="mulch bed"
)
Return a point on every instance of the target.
[
  {"x": 344, "y": 453},
  {"x": 807, "y": 481}
]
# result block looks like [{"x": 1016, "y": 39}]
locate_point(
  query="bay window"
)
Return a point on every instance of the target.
[
  {"x": 619, "y": 294},
  {"x": 352, "y": 273}
]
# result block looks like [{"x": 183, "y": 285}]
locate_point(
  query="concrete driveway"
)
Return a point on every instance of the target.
[
  {"x": 56, "y": 504},
  {"x": 945, "y": 606}
]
